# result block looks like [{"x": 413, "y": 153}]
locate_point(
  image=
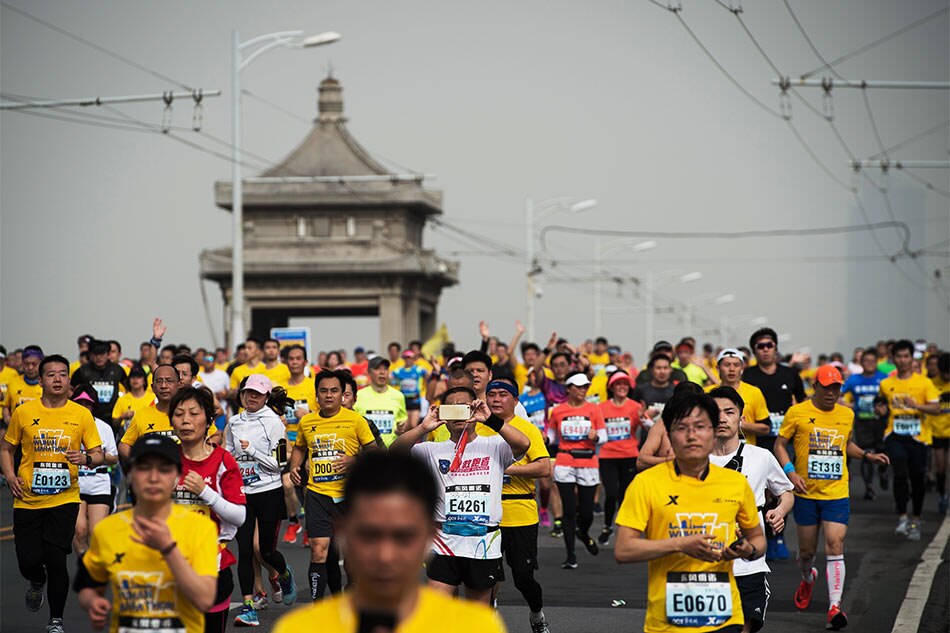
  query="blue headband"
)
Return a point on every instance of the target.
[{"x": 501, "y": 384}]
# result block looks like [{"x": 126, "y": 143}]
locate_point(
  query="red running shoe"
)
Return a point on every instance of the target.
[
  {"x": 803, "y": 593},
  {"x": 837, "y": 620},
  {"x": 290, "y": 536}
]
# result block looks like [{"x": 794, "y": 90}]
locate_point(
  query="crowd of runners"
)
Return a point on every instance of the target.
[{"x": 165, "y": 470}]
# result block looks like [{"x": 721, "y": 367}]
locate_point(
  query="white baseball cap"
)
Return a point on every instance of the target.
[
  {"x": 730, "y": 351},
  {"x": 578, "y": 380}
]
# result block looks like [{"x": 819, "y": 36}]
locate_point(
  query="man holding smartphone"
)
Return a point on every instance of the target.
[
  {"x": 469, "y": 469},
  {"x": 388, "y": 527}
]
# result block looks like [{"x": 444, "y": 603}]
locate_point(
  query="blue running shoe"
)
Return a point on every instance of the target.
[
  {"x": 247, "y": 616},
  {"x": 781, "y": 552},
  {"x": 289, "y": 586}
]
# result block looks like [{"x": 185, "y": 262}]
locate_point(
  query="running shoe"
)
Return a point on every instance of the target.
[
  {"x": 306, "y": 541},
  {"x": 247, "y": 616},
  {"x": 34, "y": 598},
  {"x": 288, "y": 587},
  {"x": 540, "y": 625},
  {"x": 589, "y": 543},
  {"x": 770, "y": 549},
  {"x": 545, "y": 518},
  {"x": 837, "y": 620},
  {"x": 558, "y": 531},
  {"x": 259, "y": 601},
  {"x": 781, "y": 552},
  {"x": 604, "y": 537},
  {"x": 913, "y": 531},
  {"x": 943, "y": 504},
  {"x": 276, "y": 591},
  {"x": 55, "y": 626},
  {"x": 290, "y": 536},
  {"x": 803, "y": 593},
  {"x": 902, "y": 525},
  {"x": 570, "y": 563}
]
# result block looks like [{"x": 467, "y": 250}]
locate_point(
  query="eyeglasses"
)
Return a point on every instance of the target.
[
  {"x": 685, "y": 429},
  {"x": 765, "y": 345}
]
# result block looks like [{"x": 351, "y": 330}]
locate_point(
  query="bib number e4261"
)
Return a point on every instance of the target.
[
  {"x": 698, "y": 599},
  {"x": 467, "y": 503}
]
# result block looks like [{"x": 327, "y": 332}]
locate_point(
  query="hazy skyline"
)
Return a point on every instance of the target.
[{"x": 100, "y": 229}]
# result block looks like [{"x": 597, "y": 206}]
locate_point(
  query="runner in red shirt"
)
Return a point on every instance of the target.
[
  {"x": 210, "y": 484},
  {"x": 577, "y": 426},
  {"x": 618, "y": 457}
]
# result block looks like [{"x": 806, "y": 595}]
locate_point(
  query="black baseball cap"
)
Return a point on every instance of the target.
[
  {"x": 376, "y": 361},
  {"x": 663, "y": 346},
  {"x": 158, "y": 445}
]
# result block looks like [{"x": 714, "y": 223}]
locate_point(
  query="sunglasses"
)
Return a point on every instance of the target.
[{"x": 765, "y": 345}]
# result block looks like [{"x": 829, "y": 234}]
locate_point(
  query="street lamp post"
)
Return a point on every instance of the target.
[
  {"x": 533, "y": 214},
  {"x": 649, "y": 299},
  {"x": 287, "y": 39}
]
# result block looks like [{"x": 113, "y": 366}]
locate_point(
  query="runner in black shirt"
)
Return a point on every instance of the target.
[{"x": 105, "y": 377}]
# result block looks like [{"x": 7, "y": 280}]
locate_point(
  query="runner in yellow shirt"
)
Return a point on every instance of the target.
[
  {"x": 27, "y": 387},
  {"x": 300, "y": 389},
  {"x": 391, "y": 500},
  {"x": 905, "y": 398},
  {"x": 381, "y": 403},
  {"x": 940, "y": 426},
  {"x": 50, "y": 431},
  {"x": 330, "y": 438},
  {"x": 138, "y": 398},
  {"x": 152, "y": 419},
  {"x": 821, "y": 431},
  {"x": 681, "y": 516},
  {"x": 731, "y": 362},
  {"x": 7, "y": 374},
  {"x": 253, "y": 365}
]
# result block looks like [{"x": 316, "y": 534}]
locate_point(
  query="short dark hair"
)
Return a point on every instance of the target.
[
  {"x": 943, "y": 363},
  {"x": 271, "y": 340},
  {"x": 202, "y": 396},
  {"x": 557, "y": 355},
  {"x": 458, "y": 373},
  {"x": 460, "y": 389},
  {"x": 383, "y": 472},
  {"x": 476, "y": 356},
  {"x": 255, "y": 340},
  {"x": 869, "y": 351},
  {"x": 728, "y": 393},
  {"x": 682, "y": 404},
  {"x": 687, "y": 386},
  {"x": 394, "y": 344},
  {"x": 53, "y": 358},
  {"x": 327, "y": 374},
  {"x": 170, "y": 348},
  {"x": 526, "y": 346},
  {"x": 656, "y": 357},
  {"x": 349, "y": 380},
  {"x": 185, "y": 359},
  {"x": 287, "y": 350},
  {"x": 902, "y": 345},
  {"x": 765, "y": 332},
  {"x": 116, "y": 343},
  {"x": 172, "y": 367},
  {"x": 600, "y": 339}
]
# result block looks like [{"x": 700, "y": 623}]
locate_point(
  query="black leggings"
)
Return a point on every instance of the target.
[
  {"x": 585, "y": 496},
  {"x": 260, "y": 512},
  {"x": 909, "y": 462},
  {"x": 616, "y": 474}
]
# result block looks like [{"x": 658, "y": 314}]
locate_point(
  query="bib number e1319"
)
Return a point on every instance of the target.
[{"x": 825, "y": 464}]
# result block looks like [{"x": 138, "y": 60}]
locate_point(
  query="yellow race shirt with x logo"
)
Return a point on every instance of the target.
[
  {"x": 820, "y": 439},
  {"x": 327, "y": 439},
  {"x": 45, "y": 435}
]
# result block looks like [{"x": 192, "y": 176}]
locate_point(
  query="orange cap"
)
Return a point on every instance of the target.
[{"x": 828, "y": 375}]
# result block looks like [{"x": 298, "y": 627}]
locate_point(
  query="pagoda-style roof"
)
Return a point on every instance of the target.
[{"x": 329, "y": 168}]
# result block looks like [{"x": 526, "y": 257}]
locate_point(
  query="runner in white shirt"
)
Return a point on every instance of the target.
[
  {"x": 217, "y": 380},
  {"x": 763, "y": 473},
  {"x": 466, "y": 549},
  {"x": 96, "y": 496}
]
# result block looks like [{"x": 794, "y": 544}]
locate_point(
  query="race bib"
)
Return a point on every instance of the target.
[
  {"x": 152, "y": 625},
  {"x": 907, "y": 425},
  {"x": 776, "y": 419},
  {"x": 409, "y": 386},
  {"x": 575, "y": 429},
  {"x": 467, "y": 503},
  {"x": 618, "y": 429},
  {"x": 249, "y": 471},
  {"x": 698, "y": 599},
  {"x": 593, "y": 398},
  {"x": 323, "y": 469},
  {"x": 290, "y": 411},
  {"x": 384, "y": 420},
  {"x": 50, "y": 478},
  {"x": 537, "y": 419},
  {"x": 825, "y": 464},
  {"x": 865, "y": 406},
  {"x": 105, "y": 391}
]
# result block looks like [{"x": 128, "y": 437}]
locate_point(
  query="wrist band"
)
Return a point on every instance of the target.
[
  {"x": 788, "y": 468},
  {"x": 168, "y": 550},
  {"x": 546, "y": 350},
  {"x": 494, "y": 423},
  {"x": 155, "y": 342}
]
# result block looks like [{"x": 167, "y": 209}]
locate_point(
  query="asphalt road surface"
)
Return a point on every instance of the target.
[{"x": 602, "y": 596}]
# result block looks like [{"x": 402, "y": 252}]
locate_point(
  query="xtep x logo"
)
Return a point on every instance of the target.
[
  {"x": 673, "y": 500},
  {"x": 36, "y": 422}
]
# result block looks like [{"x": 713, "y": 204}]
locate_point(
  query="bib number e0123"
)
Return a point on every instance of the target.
[
  {"x": 698, "y": 598},
  {"x": 50, "y": 478},
  {"x": 825, "y": 464}
]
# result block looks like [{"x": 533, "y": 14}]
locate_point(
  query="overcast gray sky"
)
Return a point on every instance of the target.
[{"x": 101, "y": 228}]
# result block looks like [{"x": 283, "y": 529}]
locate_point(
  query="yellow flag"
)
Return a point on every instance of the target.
[{"x": 433, "y": 346}]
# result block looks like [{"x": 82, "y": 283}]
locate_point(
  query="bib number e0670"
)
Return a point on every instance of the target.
[{"x": 698, "y": 599}]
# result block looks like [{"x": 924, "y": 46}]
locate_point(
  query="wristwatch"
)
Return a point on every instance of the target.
[{"x": 88, "y": 460}]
